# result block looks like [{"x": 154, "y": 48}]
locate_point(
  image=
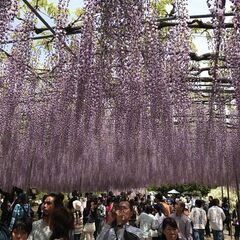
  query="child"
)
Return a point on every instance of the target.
[{"x": 21, "y": 230}]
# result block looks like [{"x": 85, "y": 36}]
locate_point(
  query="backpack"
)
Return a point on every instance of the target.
[
  {"x": 27, "y": 216},
  {"x": 4, "y": 232},
  {"x": 126, "y": 235},
  {"x": 130, "y": 236}
]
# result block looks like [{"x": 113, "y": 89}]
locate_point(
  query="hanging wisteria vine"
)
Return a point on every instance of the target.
[{"x": 115, "y": 107}]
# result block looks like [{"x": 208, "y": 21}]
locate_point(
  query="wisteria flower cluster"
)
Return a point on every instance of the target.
[{"x": 114, "y": 108}]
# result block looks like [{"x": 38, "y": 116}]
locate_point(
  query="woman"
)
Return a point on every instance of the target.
[
  {"x": 76, "y": 209},
  {"x": 21, "y": 210},
  {"x": 169, "y": 229},
  {"x": 89, "y": 219},
  {"x": 21, "y": 230},
  {"x": 62, "y": 224}
]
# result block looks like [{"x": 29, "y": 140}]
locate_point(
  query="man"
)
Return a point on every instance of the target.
[
  {"x": 162, "y": 204},
  {"x": 118, "y": 227},
  {"x": 216, "y": 217},
  {"x": 199, "y": 220},
  {"x": 183, "y": 222},
  {"x": 207, "y": 206},
  {"x": 40, "y": 228}
]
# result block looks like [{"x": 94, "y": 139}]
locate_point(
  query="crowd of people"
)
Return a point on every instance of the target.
[{"x": 126, "y": 216}]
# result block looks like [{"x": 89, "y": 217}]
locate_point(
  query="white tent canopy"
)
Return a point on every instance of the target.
[{"x": 173, "y": 191}]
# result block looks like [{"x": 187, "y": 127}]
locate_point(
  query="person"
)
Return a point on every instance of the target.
[
  {"x": 89, "y": 219},
  {"x": 76, "y": 209},
  {"x": 169, "y": 229},
  {"x": 146, "y": 220},
  {"x": 40, "y": 207},
  {"x": 61, "y": 223},
  {"x": 8, "y": 204},
  {"x": 21, "y": 209},
  {"x": 157, "y": 223},
  {"x": 207, "y": 206},
  {"x": 226, "y": 210},
  {"x": 4, "y": 232},
  {"x": 236, "y": 220},
  {"x": 40, "y": 228},
  {"x": 108, "y": 208},
  {"x": 216, "y": 217},
  {"x": 21, "y": 230},
  {"x": 183, "y": 222},
  {"x": 199, "y": 220},
  {"x": 101, "y": 215},
  {"x": 160, "y": 200},
  {"x": 118, "y": 226},
  {"x": 162, "y": 205}
]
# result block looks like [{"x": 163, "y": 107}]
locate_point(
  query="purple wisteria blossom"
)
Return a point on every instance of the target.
[{"x": 115, "y": 107}]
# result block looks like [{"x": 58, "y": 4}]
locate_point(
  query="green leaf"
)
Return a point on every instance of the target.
[
  {"x": 78, "y": 12},
  {"x": 52, "y": 10},
  {"x": 161, "y": 5}
]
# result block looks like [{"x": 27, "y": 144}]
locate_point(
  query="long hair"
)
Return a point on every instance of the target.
[
  {"x": 61, "y": 223},
  {"x": 58, "y": 199}
]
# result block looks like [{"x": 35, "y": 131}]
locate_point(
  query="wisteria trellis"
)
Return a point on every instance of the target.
[{"x": 116, "y": 109}]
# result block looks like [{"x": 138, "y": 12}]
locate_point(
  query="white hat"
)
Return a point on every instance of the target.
[{"x": 77, "y": 205}]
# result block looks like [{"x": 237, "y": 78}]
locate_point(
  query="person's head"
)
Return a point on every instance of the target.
[
  {"x": 149, "y": 209},
  {"x": 22, "y": 198},
  {"x": 91, "y": 204},
  {"x": 21, "y": 230},
  {"x": 61, "y": 222},
  {"x": 53, "y": 200},
  {"x": 159, "y": 197},
  {"x": 16, "y": 191},
  {"x": 210, "y": 198},
  {"x": 124, "y": 212},
  {"x": 225, "y": 200},
  {"x": 169, "y": 229},
  {"x": 77, "y": 205},
  {"x": 159, "y": 209},
  {"x": 199, "y": 203},
  {"x": 75, "y": 193},
  {"x": 100, "y": 200},
  {"x": 215, "y": 202},
  {"x": 109, "y": 201},
  {"x": 110, "y": 194},
  {"x": 179, "y": 207}
]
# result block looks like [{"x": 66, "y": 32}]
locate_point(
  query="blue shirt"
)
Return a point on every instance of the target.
[{"x": 18, "y": 213}]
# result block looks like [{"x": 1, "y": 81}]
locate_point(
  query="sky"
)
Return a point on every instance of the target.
[{"x": 195, "y": 7}]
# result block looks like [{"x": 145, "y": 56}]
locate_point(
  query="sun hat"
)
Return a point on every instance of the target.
[{"x": 77, "y": 205}]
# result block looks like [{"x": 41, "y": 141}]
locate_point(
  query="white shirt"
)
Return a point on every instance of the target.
[
  {"x": 146, "y": 221},
  {"x": 157, "y": 221},
  {"x": 198, "y": 217},
  {"x": 216, "y": 217},
  {"x": 40, "y": 231}
]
